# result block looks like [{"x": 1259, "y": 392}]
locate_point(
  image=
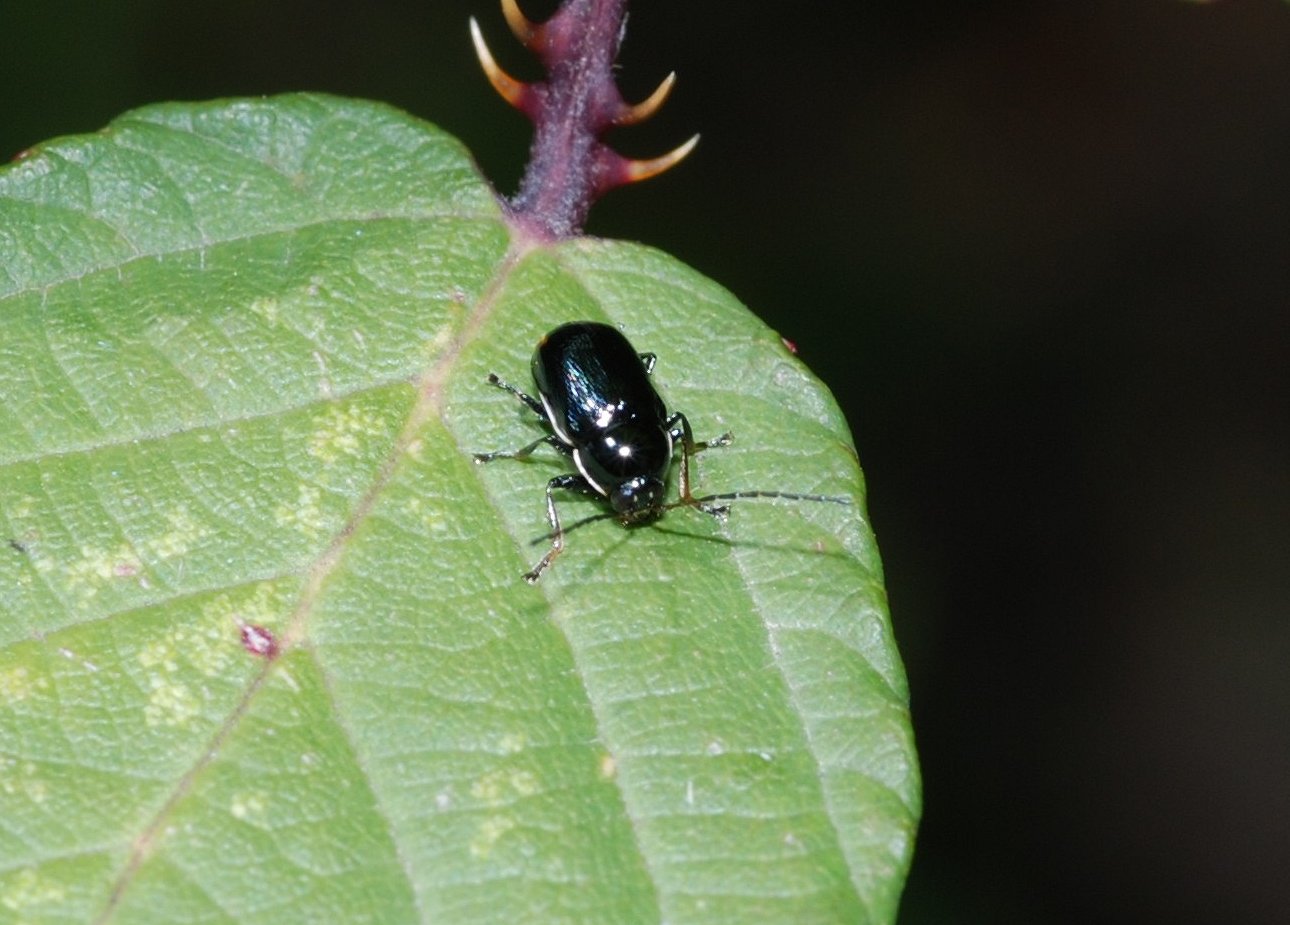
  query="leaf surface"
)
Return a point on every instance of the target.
[{"x": 265, "y": 653}]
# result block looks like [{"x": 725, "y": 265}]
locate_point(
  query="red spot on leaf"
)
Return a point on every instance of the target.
[
  {"x": 259, "y": 641},
  {"x": 791, "y": 345}
]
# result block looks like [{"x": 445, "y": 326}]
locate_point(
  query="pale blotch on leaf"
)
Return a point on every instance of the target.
[
  {"x": 306, "y": 515},
  {"x": 524, "y": 783},
  {"x": 18, "y": 683},
  {"x": 249, "y": 807},
  {"x": 343, "y": 430},
  {"x": 424, "y": 514},
  {"x": 22, "y": 779},
  {"x": 183, "y": 533},
  {"x": 96, "y": 569},
  {"x": 26, "y": 890},
  {"x": 204, "y": 645},
  {"x": 496, "y": 789},
  {"x": 160, "y": 654},
  {"x": 267, "y": 308},
  {"x": 265, "y": 607},
  {"x": 170, "y": 702},
  {"x": 490, "y": 832},
  {"x": 500, "y": 787},
  {"x": 488, "y": 789},
  {"x": 23, "y": 508}
]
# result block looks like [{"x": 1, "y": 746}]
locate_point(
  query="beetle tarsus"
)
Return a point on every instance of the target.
[
  {"x": 534, "y": 405},
  {"x": 724, "y": 440},
  {"x": 568, "y": 483}
]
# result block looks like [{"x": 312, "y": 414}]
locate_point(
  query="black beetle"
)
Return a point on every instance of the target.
[{"x": 597, "y": 399}]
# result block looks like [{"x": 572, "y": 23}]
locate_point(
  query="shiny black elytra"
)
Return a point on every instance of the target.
[{"x": 597, "y": 399}]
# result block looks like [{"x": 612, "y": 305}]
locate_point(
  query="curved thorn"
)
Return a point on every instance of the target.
[
  {"x": 631, "y": 115},
  {"x": 522, "y": 27},
  {"x": 635, "y": 171},
  {"x": 510, "y": 89}
]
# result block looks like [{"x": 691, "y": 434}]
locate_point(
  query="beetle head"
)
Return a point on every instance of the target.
[{"x": 637, "y": 499}]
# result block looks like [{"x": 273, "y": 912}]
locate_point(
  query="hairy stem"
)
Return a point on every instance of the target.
[{"x": 570, "y": 166}]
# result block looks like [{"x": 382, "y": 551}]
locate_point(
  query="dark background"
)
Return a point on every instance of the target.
[{"x": 1041, "y": 252}]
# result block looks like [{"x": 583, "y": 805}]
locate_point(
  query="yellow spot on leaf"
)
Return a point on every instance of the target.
[
  {"x": 524, "y": 783},
  {"x": 502, "y": 786},
  {"x": 205, "y": 645},
  {"x": 266, "y": 308},
  {"x": 343, "y": 430},
  {"x": 97, "y": 568},
  {"x": 608, "y": 766},
  {"x": 488, "y": 788},
  {"x": 19, "y": 683},
  {"x": 248, "y": 806},
  {"x": 490, "y": 831},
  {"x": 22, "y": 779},
  {"x": 306, "y": 515},
  {"x": 170, "y": 703},
  {"x": 28, "y": 889},
  {"x": 183, "y": 533}
]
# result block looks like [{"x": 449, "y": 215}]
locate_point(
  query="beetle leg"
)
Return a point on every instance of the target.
[
  {"x": 525, "y": 451},
  {"x": 536, "y": 407},
  {"x": 533, "y": 403},
  {"x": 568, "y": 482},
  {"x": 649, "y": 360},
  {"x": 679, "y": 429}
]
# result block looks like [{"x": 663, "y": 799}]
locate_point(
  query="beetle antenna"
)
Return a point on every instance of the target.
[
  {"x": 699, "y": 503},
  {"x": 743, "y": 495}
]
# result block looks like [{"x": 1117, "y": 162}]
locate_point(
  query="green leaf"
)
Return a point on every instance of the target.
[{"x": 243, "y": 359}]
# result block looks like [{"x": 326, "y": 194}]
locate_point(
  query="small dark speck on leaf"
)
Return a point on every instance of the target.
[{"x": 17, "y": 547}]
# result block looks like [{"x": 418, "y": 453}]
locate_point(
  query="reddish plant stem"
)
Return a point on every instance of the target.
[{"x": 569, "y": 166}]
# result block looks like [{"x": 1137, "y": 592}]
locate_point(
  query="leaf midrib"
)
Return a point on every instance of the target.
[{"x": 429, "y": 403}]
